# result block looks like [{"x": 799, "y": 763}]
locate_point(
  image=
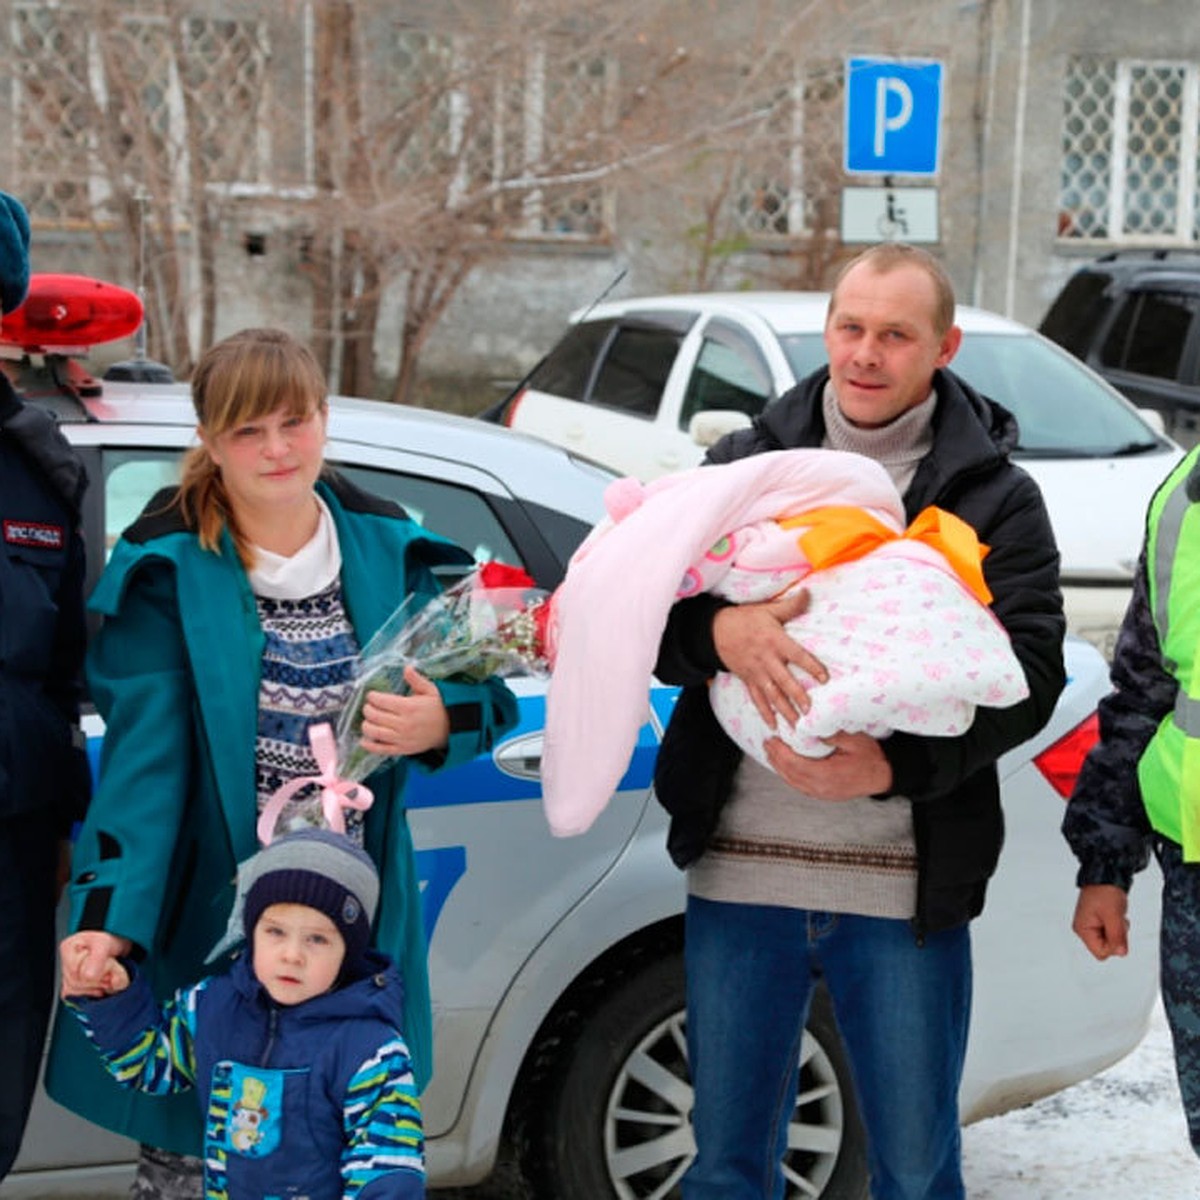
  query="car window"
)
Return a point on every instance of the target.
[
  {"x": 568, "y": 367},
  {"x": 635, "y": 369},
  {"x": 725, "y": 376},
  {"x": 455, "y": 512},
  {"x": 131, "y": 477},
  {"x": 1072, "y": 318},
  {"x": 1062, "y": 408},
  {"x": 1112, "y": 352},
  {"x": 805, "y": 352},
  {"x": 1149, "y": 334}
]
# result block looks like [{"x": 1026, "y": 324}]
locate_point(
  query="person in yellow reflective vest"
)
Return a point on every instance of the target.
[{"x": 1139, "y": 789}]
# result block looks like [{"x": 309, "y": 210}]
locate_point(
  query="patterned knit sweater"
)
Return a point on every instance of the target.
[
  {"x": 307, "y": 668},
  {"x": 306, "y": 679},
  {"x": 775, "y": 845}
]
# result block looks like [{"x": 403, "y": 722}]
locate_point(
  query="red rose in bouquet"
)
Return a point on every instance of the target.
[{"x": 502, "y": 575}]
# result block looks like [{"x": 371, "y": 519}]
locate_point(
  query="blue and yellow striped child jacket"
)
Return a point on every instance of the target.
[{"x": 315, "y": 1099}]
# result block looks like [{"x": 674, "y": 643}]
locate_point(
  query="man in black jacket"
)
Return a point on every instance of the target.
[
  {"x": 44, "y": 778},
  {"x": 865, "y": 867}
]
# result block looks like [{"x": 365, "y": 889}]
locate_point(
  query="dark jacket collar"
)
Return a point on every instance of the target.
[
  {"x": 970, "y": 432},
  {"x": 162, "y": 515}
]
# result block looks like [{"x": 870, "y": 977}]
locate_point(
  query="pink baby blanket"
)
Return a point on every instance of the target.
[{"x": 907, "y": 644}]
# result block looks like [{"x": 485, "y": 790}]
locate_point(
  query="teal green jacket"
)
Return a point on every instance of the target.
[{"x": 174, "y": 671}]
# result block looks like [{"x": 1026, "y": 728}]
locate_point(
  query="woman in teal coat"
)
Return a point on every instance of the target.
[{"x": 233, "y": 609}]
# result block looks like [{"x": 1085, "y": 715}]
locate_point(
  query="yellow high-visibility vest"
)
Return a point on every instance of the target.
[{"x": 1169, "y": 770}]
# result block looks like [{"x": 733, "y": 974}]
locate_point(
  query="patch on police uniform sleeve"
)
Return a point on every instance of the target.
[{"x": 36, "y": 534}]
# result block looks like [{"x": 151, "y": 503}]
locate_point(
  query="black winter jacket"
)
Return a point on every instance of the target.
[
  {"x": 42, "y": 630},
  {"x": 952, "y": 782}
]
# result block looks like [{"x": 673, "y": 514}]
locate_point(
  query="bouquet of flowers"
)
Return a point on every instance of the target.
[{"x": 494, "y": 621}]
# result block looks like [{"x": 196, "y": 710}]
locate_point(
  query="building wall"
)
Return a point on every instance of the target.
[
  {"x": 999, "y": 183},
  {"x": 651, "y": 244},
  {"x": 1021, "y": 260},
  {"x": 998, "y": 186}
]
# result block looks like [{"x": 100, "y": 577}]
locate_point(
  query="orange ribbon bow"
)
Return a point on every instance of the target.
[{"x": 842, "y": 533}]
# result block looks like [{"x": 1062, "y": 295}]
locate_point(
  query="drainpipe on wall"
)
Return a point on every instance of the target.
[
  {"x": 1010, "y": 282},
  {"x": 983, "y": 114}
]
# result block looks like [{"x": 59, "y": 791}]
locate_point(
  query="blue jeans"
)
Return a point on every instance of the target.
[{"x": 903, "y": 1011}]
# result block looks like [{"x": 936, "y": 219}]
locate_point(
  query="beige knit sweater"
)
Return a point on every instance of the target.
[{"x": 775, "y": 845}]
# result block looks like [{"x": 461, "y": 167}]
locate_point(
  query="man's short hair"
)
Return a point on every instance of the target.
[{"x": 887, "y": 256}]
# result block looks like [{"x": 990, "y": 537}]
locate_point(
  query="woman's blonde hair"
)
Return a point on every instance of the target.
[{"x": 243, "y": 378}]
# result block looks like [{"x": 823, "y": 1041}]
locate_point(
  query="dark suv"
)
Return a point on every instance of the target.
[{"x": 1134, "y": 316}]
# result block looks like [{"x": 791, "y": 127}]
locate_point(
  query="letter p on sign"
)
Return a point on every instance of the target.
[
  {"x": 885, "y": 122},
  {"x": 893, "y": 116}
]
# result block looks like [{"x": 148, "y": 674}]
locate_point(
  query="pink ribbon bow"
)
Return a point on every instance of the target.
[{"x": 336, "y": 794}]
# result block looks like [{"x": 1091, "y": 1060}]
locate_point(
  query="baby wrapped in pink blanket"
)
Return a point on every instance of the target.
[
  {"x": 902, "y": 628},
  {"x": 906, "y": 643}
]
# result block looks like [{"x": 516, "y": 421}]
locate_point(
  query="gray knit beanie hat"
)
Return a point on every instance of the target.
[{"x": 322, "y": 870}]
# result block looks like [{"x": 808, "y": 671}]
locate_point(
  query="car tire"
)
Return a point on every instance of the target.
[{"x": 617, "y": 1122}]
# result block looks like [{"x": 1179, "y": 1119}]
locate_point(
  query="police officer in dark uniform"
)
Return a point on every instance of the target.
[{"x": 44, "y": 781}]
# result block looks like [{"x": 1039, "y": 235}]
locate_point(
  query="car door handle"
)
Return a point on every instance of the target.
[{"x": 520, "y": 757}]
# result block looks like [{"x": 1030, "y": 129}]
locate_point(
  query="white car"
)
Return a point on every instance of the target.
[
  {"x": 645, "y": 385},
  {"x": 556, "y": 964}
]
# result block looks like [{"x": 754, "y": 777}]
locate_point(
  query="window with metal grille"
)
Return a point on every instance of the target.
[
  {"x": 224, "y": 76},
  {"x": 99, "y": 105},
  {"x": 1130, "y": 159},
  {"x": 522, "y": 138},
  {"x": 54, "y": 114},
  {"x": 420, "y": 98},
  {"x": 550, "y": 114},
  {"x": 788, "y": 171}
]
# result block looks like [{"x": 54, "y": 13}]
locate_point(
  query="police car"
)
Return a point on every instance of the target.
[{"x": 556, "y": 964}]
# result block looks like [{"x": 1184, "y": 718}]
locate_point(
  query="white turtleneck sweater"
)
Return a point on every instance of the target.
[{"x": 775, "y": 845}]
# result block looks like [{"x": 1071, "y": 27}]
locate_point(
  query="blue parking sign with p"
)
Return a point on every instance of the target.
[{"x": 893, "y": 116}]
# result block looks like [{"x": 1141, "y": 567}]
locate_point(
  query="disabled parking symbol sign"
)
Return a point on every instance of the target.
[{"x": 893, "y": 116}]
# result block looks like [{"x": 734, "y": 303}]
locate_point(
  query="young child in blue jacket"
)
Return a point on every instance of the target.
[{"x": 302, "y": 1073}]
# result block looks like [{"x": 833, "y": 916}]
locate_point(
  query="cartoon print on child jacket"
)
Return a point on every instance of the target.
[{"x": 253, "y": 1124}]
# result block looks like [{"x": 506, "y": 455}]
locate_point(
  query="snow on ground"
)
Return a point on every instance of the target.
[{"x": 1120, "y": 1135}]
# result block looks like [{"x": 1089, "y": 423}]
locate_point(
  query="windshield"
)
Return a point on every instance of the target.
[{"x": 1060, "y": 406}]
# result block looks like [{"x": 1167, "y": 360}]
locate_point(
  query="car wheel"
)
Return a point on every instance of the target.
[{"x": 617, "y": 1125}]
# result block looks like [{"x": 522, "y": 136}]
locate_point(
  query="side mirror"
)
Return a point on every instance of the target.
[{"x": 706, "y": 428}]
